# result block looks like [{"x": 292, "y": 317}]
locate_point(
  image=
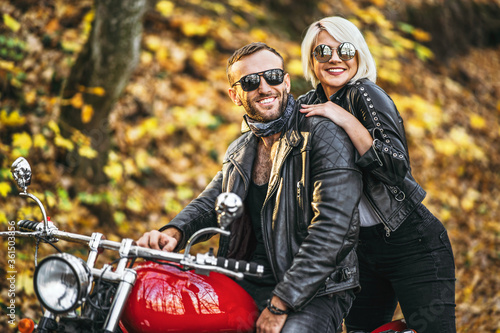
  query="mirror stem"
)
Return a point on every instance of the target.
[{"x": 39, "y": 203}]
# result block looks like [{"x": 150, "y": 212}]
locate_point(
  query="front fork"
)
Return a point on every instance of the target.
[
  {"x": 124, "y": 288},
  {"x": 128, "y": 277},
  {"x": 47, "y": 323}
]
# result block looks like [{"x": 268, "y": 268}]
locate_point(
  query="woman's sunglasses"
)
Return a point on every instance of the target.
[
  {"x": 323, "y": 53},
  {"x": 251, "y": 82}
]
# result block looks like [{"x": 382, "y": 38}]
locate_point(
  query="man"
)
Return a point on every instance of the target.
[{"x": 301, "y": 190}]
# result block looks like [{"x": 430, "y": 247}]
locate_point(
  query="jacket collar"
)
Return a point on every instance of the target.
[{"x": 321, "y": 95}]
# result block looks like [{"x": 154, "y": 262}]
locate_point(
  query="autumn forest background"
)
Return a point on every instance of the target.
[{"x": 121, "y": 108}]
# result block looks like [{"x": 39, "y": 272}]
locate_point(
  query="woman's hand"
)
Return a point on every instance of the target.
[
  {"x": 329, "y": 110},
  {"x": 358, "y": 134}
]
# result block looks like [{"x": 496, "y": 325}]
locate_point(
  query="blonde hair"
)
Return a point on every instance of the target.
[{"x": 341, "y": 30}]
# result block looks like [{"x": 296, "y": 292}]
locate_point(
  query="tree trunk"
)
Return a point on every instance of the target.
[{"x": 100, "y": 73}]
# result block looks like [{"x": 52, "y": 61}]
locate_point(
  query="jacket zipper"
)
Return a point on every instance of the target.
[{"x": 386, "y": 228}]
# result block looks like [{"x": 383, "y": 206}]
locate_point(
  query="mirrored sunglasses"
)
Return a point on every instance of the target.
[
  {"x": 251, "y": 82},
  {"x": 323, "y": 53}
]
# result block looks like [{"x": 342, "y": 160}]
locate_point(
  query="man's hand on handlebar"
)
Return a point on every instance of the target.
[{"x": 165, "y": 241}]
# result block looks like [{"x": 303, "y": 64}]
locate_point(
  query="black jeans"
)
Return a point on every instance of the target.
[
  {"x": 414, "y": 266},
  {"x": 323, "y": 314}
]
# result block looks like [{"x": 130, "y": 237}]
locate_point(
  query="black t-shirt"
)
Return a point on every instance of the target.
[{"x": 255, "y": 200}]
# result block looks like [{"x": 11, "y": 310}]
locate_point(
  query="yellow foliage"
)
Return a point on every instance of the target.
[
  {"x": 445, "y": 146},
  {"x": 87, "y": 151},
  {"x": 192, "y": 28},
  {"x": 421, "y": 35},
  {"x": 50, "y": 199},
  {"x": 294, "y": 67},
  {"x": 114, "y": 170},
  {"x": 146, "y": 58},
  {"x": 134, "y": 203},
  {"x": 422, "y": 115},
  {"x": 147, "y": 126},
  {"x": 10, "y": 22},
  {"x": 71, "y": 46},
  {"x": 80, "y": 139},
  {"x": 22, "y": 141},
  {"x": 258, "y": 35},
  {"x": 218, "y": 8},
  {"x": 466, "y": 143},
  {"x": 11, "y": 119},
  {"x": 129, "y": 167},
  {"x": 3, "y": 218},
  {"x": 200, "y": 34},
  {"x": 477, "y": 121},
  {"x": 63, "y": 143},
  {"x": 77, "y": 101},
  {"x": 87, "y": 22},
  {"x": 199, "y": 56},
  {"x": 54, "y": 127},
  {"x": 39, "y": 141},
  {"x": 351, "y": 5},
  {"x": 141, "y": 159},
  {"x": 373, "y": 15},
  {"x": 153, "y": 43},
  {"x": 423, "y": 53},
  {"x": 87, "y": 113},
  {"x": 239, "y": 21},
  {"x": 24, "y": 281},
  {"x": 166, "y": 8},
  {"x": 445, "y": 215},
  {"x": 162, "y": 55},
  {"x": 5, "y": 188},
  {"x": 7, "y": 65},
  {"x": 470, "y": 199},
  {"x": 99, "y": 91},
  {"x": 30, "y": 97}
]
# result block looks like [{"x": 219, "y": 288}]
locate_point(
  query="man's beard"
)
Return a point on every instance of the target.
[{"x": 259, "y": 116}]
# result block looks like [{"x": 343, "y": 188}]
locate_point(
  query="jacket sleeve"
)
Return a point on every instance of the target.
[
  {"x": 387, "y": 159},
  {"x": 336, "y": 185},
  {"x": 198, "y": 214}
]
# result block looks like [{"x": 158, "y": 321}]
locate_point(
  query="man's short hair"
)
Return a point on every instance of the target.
[{"x": 246, "y": 51}]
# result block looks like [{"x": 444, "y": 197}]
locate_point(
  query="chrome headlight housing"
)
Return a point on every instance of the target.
[{"x": 61, "y": 282}]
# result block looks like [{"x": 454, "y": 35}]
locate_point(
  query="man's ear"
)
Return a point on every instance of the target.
[
  {"x": 234, "y": 96},
  {"x": 287, "y": 83}
]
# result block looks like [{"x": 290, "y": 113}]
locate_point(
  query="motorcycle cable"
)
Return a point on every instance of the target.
[
  {"x": 100, "y": 301},
  {"x": 45, "y": 240}
]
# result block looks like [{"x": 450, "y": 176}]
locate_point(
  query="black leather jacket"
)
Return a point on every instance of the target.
[
  {"x": 310, "y": 211},
  {"x": 388, "y": 183}
]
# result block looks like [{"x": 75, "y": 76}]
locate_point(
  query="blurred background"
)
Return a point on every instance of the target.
[{"x": 121, "y": 108}]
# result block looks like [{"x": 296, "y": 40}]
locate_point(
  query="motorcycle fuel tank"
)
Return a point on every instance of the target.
[{"x": 167, "y": 299}]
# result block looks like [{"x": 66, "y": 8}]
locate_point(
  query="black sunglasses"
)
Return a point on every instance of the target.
[
  {"x": 323, "y": 53},
  {"x": 251, "y": 82}
]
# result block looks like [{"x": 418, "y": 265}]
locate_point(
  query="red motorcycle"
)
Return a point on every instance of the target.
[{"x": 168, "y": 292}]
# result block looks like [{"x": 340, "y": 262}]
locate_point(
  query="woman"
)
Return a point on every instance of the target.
[{"x": 404, "y": 251}]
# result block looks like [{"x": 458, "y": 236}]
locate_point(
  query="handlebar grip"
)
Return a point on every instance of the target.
[
  {"x": 27, "y": 225},
  {"x": 240, "y": 266}
]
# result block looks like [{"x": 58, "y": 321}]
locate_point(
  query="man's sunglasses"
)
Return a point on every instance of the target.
[
  {"x": 323, "y": 53},
  {"x": 251, "y": 82}
]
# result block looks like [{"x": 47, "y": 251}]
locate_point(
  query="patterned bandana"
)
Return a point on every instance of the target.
[{"x": 272, "y": 127}]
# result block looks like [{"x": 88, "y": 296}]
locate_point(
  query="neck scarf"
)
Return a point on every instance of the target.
[{"x": 275, "y": 126}]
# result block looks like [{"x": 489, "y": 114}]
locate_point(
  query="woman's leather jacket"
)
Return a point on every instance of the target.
[
  {"x": 387, "y": 180},
  {"x": 310, "y": 211}
]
